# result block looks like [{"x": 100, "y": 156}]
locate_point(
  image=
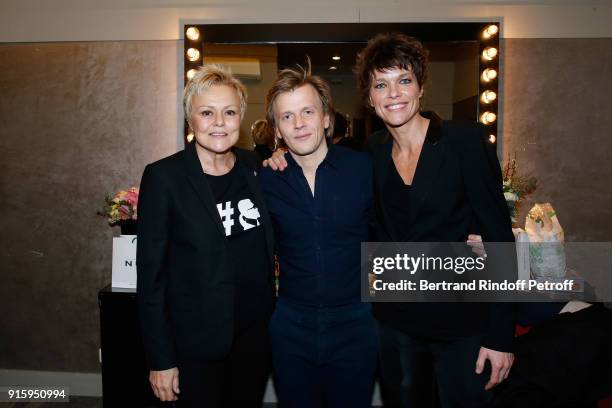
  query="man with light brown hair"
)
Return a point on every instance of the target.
[{"x": 323, "y": 338}]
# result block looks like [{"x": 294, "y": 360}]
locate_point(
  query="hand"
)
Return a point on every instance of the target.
[
  {"x": 475, "y": 241},
  {"x": 500, "y": 365},
  {"x": 277, "y": 162},
  {"x": 165, "y": 384}
]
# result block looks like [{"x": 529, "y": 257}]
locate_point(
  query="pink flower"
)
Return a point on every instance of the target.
[{"x": 132, "y": 197}]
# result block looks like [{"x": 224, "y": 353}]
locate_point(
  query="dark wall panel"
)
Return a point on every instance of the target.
[{"x": 558, "y": 119}]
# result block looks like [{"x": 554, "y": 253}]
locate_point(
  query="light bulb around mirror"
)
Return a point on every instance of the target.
[
  {"x": 489, "y": 74},
  {"x": 193, "y": 33},
  {"x": 489, "y": 53},
  {"x": 488, "y": 96},
  {"x": 191, "y": 73},
  {"x": 488, "y": 117},
  {"x": 492, "y": 138},
  {"x": 490, "y": 31},
  {"x": 193, "y": 54}
]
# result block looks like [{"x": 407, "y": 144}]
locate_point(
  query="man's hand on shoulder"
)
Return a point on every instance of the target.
[
  {"x": 165, "y": 384},
  {"x": 500, "y": 365}
]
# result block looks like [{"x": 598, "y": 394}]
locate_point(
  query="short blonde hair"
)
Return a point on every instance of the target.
[{"x": 208, "y": 76}]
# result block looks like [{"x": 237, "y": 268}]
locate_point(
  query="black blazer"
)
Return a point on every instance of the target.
[
  {"x": 185, "y": 288},
  {"x": 456, "y": 190}
]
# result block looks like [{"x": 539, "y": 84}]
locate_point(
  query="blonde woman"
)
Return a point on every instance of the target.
[{"x": 205, "y": 282}]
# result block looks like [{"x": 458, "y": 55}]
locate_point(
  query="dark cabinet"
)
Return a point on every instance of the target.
[{"x": 125, "y": 376}]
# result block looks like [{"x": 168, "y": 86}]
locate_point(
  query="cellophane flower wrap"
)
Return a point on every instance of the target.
[{"x": 516, "y": 187}]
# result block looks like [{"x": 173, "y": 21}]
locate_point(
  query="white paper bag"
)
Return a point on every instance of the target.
[
  {"x": 522, "y": 253},
  {"x": 124, "y": 262}
]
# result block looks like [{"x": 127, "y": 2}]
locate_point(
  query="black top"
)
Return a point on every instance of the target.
[
  {"x": 397, "y": 199},
  {"x": 456, "y": 190},
  {"x": 263, "y": 151},
  {"x": 246, "y": 242},
  {"x": 186, "y": 287}
]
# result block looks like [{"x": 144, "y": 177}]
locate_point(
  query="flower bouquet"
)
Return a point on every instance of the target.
[
  {"x": 122, "y": 209},
  {"x": 516, "y": 187}
]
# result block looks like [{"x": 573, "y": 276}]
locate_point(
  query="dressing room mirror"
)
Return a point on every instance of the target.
[{"x": 255, "y": 53}]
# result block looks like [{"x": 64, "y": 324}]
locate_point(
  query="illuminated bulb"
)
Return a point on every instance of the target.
[
  {"x": 333, "y": 68},
  {"x": 488, "y": 117},
  {"x": 489, "y": 74},
  {"x": 490, "y": 31},
  {"x": 191, "y": 73},
  {"x": 193, "y": 54},
  {"x": 489, "y": 53},
  {"x": 336, "y": 58},
  {"x": 193, "y": 33},
  {"x": 488, "y": 96},
  {"x": 492, "y": 138},
  {"x": 190, "y": 137}
]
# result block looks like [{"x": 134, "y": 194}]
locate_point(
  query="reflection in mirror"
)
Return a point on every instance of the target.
[{"x": 255, "y": 53}]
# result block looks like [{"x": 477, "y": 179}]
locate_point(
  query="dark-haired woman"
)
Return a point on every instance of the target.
[{"x": 435, "y": 181}]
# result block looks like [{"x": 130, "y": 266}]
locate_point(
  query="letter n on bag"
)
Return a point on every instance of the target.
[{"x": 124, "y": 262}]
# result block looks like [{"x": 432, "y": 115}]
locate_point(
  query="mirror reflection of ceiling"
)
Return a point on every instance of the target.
[
  {"x": 321, "y": 54},
  {"x": 451, "y": 89},
  {"x": 256, "y": 53},
  {"x": 453, "y": 74}
]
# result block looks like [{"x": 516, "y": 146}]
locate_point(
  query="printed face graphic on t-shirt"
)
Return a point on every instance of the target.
[{"x": 248, "y": 216}]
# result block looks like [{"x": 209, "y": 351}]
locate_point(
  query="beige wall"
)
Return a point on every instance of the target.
[{"x": 116, "y": 20}]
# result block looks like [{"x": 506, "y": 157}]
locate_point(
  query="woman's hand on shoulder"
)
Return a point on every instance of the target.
[{"x": 277, "y": 161}]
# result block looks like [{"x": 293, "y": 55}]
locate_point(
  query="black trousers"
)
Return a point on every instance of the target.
[
  {"x": 423, "y": 373},
  {"x": 238, "y": 380}
]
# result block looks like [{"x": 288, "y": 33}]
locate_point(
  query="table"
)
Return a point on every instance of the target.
[{"x": 125, "y": 376}]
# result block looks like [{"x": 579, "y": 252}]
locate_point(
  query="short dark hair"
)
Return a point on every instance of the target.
[
  {"x": 290, "y": 79},
  {"x": 386, "y": 51}
]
